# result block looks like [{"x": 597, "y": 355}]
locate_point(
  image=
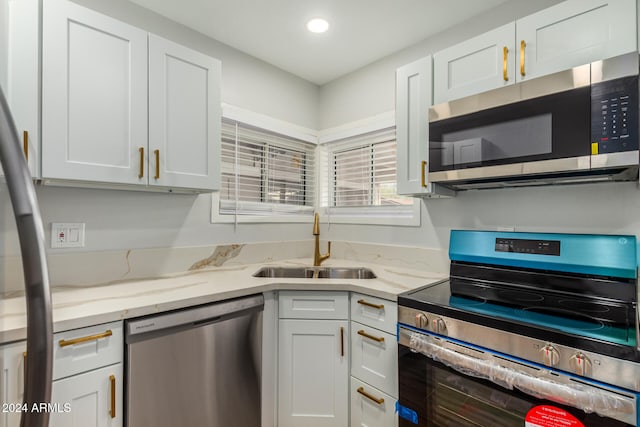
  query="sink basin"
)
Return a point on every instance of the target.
[
  {"x": 345, "y": 273},
  {"x": 285, "y": 272},
  {"x": 315, "y": 272}
]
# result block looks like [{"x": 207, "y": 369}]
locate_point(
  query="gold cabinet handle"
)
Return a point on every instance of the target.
[
  {"x": 341, "y": 341},
  {"x": 378, "y": 400},
  {"x": 157, "y": 154},
  {"x": 141, "y": 172},
  {"x": 370, "y": 304},
  {"x": 371, "y": 337},
  {"x": 522, "y": 46},
  {"x": 24, "y": 369},
  {"x": 112, "y": 411},
  {"x": 25, "y": 144},
  {"x": 65, "y": 343},
  {"x": 424, "y": 173},
  {"x": 505, "y": 53}
]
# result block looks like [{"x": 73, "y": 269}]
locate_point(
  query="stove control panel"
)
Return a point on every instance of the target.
[{"x": 527, "y": 246}]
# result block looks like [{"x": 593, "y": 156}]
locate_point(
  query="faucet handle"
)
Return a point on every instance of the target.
[{"x": 316, "y": 224}]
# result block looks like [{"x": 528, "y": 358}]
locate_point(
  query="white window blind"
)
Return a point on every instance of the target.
[
  {"x": 264, "y": 173},
  {"x": 360, "y": 180}
]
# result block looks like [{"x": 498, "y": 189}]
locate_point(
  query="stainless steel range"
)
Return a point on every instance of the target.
[{"x": 531, "y": 329}]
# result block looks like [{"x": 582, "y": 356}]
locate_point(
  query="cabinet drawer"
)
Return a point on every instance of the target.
[
  {"x": 81, "y": 350},
  {"x": 313, "y": 305},
  {"x": 374, "y": 357},
  {"x": 375, "y": 312},
  {"x": 371, "y": 407}
]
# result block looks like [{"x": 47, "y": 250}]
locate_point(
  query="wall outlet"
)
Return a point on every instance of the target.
[{"x": 67, "y": 234}]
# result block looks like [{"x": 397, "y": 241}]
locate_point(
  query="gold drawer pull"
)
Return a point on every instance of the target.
[
  {"x": 65, "y": 343},
  {"x": 378, "y": 400},
  {"x": 112, "y": 411},
  {"x": 423, "y": 165},
  {"x": 371, "y": 337},
  {"x": 370, "y": 304}
]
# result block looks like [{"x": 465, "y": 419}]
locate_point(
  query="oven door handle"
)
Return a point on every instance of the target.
[{"x": 486, "y": 366}]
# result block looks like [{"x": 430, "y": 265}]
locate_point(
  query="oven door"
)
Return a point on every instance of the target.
[{"x": 444, "y": 383}]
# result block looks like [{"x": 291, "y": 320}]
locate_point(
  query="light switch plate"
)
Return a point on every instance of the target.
[{"x": 67, "y": 234}]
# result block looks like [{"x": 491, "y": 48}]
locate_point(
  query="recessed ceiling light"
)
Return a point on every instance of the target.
[{"x": 318, "y": 25}]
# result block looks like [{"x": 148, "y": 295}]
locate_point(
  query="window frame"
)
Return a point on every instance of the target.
[
  {"x": 280, "y": 127},
  {"x": 401, "y": 215}
]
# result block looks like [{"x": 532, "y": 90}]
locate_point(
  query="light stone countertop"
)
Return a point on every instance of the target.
[{"x": 77, "y": 306}]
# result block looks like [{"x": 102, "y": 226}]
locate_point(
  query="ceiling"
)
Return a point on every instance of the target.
[{"x": 360, "y": 32}]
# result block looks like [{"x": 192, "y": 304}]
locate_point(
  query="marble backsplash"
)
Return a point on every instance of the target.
[{"x": 71, "y": 270}]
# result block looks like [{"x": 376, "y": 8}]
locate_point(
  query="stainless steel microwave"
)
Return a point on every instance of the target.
[{"x": 578, "y": 125}]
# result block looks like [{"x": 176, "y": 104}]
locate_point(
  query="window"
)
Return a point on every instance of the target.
[
  {"x": 359, "y": 182},
  {"x": 265, "y": 173}
]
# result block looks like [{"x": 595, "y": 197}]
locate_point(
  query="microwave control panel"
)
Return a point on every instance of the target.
[{"x": 614, "y": 115}]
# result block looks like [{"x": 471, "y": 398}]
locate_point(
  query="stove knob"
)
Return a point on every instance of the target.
[
  {"x": 422, "y": 321},
  {"x": 580, "y": 364},
  {"x": 438, "y": 326},
  {"x": 550, "y": 355}
]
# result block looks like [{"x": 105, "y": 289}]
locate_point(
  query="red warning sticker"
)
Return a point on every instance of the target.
[{"x": 550, "y": 416}]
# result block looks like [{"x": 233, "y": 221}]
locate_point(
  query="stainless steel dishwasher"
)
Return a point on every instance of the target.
[{"x": 197, "y": 367}]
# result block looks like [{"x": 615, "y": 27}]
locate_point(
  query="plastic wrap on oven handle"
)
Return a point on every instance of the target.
[{"x": 580, "y": 396}]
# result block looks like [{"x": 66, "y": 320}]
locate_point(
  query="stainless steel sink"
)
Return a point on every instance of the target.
[
  {"x": 285, "y": 272},
  {"x": 315, "y": 272},
  {"x": 345, "y": 273}
]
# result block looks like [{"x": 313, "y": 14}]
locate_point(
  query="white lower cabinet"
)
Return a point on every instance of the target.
[
  {"x": 11, "y": 382},
  {"x": 91, "y": 399},
  {"x": 313, "y": 364},
  {"x": 87, "y": 389},
  {"x": 370, "y": 407}
]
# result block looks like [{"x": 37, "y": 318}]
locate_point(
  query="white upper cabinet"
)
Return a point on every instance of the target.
[
  {"x": 413, "y": 99},
  {"x": 573, "y": 33},
  {"x": 122, "y": 107},
  {"x": 184, "y": 112},
  {"x": 476, "y": 65},
  {"x": 19, "y": 69},
  {"x": 569, "y": 34},
  {"x": 94, "y": 95}
]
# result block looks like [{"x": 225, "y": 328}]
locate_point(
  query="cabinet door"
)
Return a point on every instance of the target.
[
  {"x": 11, "y": 382},
  {"x": 476, "y": 65},
  {"x": 572, "y": 33},
  {"x": 94, "y": 95},
  {"x": 413, "y": 99},
  {"x": 370, "y": 407},
  {"x": 184, "y": 117},
  {"x": 19, "y": 68},
  {"x": 92, "y": 399},
  {"x": 313, "y": 373}
]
